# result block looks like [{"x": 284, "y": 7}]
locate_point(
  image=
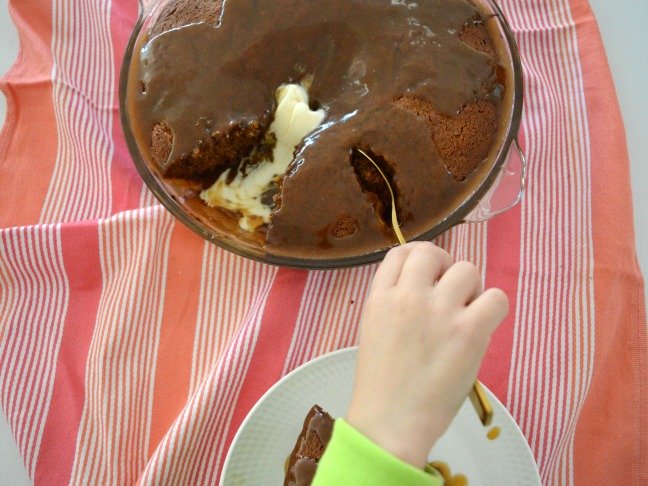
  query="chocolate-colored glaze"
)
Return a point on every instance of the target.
[
  {"x": 303, "y": 472},
  {"x": 313, "y": 439},
  {"x": 203, "y": 79},
  {"x": 322, "y": 424}
]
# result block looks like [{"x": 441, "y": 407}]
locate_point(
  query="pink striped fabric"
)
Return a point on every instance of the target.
[{"x": 131, "y": 350}]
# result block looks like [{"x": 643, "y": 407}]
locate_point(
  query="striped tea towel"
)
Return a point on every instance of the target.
[{"x": 131, "y": 350}]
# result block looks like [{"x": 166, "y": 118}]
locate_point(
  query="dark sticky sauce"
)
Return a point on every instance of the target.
[
  {"x": 251, "y": 95},
  {"x": 449, "y": 478},
  {"x": 374, "y": 185},
  {"x": 319, "y": 422}
]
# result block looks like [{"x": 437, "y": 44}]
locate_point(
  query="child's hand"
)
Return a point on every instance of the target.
[{"x": 424, "y": 333}]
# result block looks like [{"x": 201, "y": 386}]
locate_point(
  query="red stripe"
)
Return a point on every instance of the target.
[
  {"x": 273, "y": 341},
  {"x": 126, "y": 182},
  {"x": 22, "y": 266},
  {"x": 502, "y": 271},
  {"x": 80, "y": 246}
]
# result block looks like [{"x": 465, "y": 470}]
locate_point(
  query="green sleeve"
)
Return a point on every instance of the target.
[{"x": 351, "y": 458}]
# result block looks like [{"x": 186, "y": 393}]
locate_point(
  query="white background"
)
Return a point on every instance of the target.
[{"x": 624, "y": 25}]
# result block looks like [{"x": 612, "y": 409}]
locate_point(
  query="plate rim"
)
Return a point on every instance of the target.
[{"x": 354, "y": 350}]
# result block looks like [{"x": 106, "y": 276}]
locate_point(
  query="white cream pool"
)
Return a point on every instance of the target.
[{"x": 293, "y": 121}]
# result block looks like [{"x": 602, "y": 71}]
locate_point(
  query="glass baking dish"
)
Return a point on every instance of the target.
[{"x": 501, "y": 188}]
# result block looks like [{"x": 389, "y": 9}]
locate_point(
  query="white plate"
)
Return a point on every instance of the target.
[{"x": 268, "y": 433}]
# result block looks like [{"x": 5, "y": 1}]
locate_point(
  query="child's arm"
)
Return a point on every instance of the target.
[
  {"x": 426, "y": 326},
  {"x": 353, "y": 459}
]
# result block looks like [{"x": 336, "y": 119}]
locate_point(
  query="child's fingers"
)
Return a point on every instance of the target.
[
  {"x": 425, "y": 264},
  {"x": 390, "y": 269},
  {"x": 489, "y": 309},
  {"x": 461, "y": 284}
]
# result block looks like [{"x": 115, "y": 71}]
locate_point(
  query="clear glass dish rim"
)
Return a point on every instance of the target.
[{"x": 455, "y": 218}]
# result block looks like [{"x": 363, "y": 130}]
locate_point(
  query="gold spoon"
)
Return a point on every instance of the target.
[{"x": 477, "y": 395}]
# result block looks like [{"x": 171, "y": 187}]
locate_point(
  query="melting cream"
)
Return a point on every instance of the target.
[{"x": 293, "y": 121}]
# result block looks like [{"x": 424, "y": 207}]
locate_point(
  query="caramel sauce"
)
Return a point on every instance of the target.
[
  {"x": 494, "y": 433},
  {"x": 449, "y": 478},
  {"x": 300, "y": 468}
]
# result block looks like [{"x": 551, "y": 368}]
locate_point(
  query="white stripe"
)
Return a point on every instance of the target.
[
  {"x": 53, "y": 267},
  {"x": 83, "y": 75},
  {"x": 147, "y": 198},
  {"x": 587, "y": 260},
  {"x": 20, "y": 315},
  {"x": 563, "y": 350},
  {"x": 305, "y": 316},
  {"x": 536, "y": 389},
  {"x": 8, "y": 297},
  {"x": 215, "y": 435},
  {"x": 233, "y": 378},
  {"x": 205, "y": 286},
  {"x": 215, "y": 333},
  {"x": 216, "y": 430},
  {"x": 27, "y": 359},
  {"x": 83, "y": 438},
  {"x": 315, "y": 322},
  {"x": 340, "y": 314},
  {"x": 217, "y": 390},
  {"x": 160, "y": 299},
  {"x": 545, "y": 240},
  {"x": 112, "y": 445},
  {"x": 32, "y": 329}
]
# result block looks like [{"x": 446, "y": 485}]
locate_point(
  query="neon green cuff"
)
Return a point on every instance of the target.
[{"x": 352, "y": 458}]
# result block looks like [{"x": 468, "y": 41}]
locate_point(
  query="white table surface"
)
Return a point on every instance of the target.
[{"x": 623, "y": 25}]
